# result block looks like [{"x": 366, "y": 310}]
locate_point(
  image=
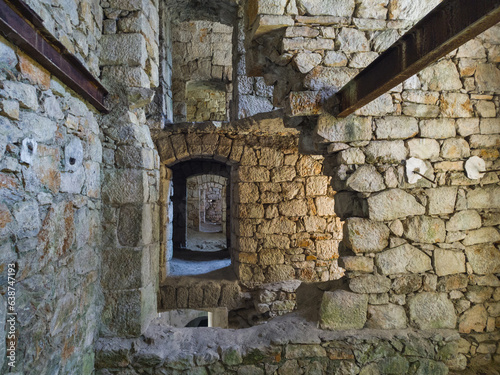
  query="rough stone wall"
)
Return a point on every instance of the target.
[
  {"x": 129, "y": 59},
  {"x": 269, "y": 350},
  {"x": 201, "y": 51},
  {"x": 50, "y": 222},
  {"x": 204, "y": 184},
  {"x": 77, "y": 24},
  {"x": 284, "y": 225}
]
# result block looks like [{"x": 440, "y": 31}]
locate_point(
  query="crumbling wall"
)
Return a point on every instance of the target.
[{"x": 50, "y": 217}]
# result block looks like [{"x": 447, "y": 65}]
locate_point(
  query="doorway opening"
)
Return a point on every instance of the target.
[{"x": 201, "y": 217}]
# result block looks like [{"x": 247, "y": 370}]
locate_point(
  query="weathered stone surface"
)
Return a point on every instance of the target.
[
  {"x": 393, "y": 204},
  {"x": 370, "y": 284},
  {"x": 406, "y": 284},
  {"x": 365, "y": 236},
  {"x": 343, "y": 310},
  {"x": 305, "y": 62},
  {"x": 379, "y": 107},
  {"x": 455, "y": 148},
  {"x": 350, "y": 156},
  {"x": 396, "y": 127},
  {"x": 420, "y": 110},
  {"x": 337, "y": 8},
  {"x": 425, "y": 229},
  {"x": 386, "y": 152},
  {"x": 438, "y": 128},
  {"x": 456, "y": 105},
  {"x": 424, "y": 148},
  {"x": 352, "y": 40},
  {"x": 335, "y": 59},
  {"x": 482, "y": 235},
  {"x": 304, "y": 351},
  {"x": 402, "y": 259},
  {"x": 388, "y": 316},
  {"x": 473, "y": 319},
  {"x": 487, "y": 77},
  {"x": 349, "y": 129},
  {"x": 432, "y": 311},
  {"x": 441, "y": 200},
  {"x": 123, "y": 49},
  {"x": 332, "y": 78},
  {"x": 41, "y": 128},
  {"x": 366, "y": 179},
  {"x": 442, "y": 75},
  {"x": 362, "y": 60},
  {"x": 124, "y": 186},
  {"x": 357, "y": 263},
  {"x": 483, "y": 258},
  {"x": 448, "y": 262},
  {"x": 464, "y": 220},
  {"x": 410, "y": 10}
]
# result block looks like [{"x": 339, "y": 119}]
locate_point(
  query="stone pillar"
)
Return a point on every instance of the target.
[{"x": 180, "y": 213}]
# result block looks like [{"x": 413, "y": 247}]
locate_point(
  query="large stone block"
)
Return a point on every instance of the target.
[
  {"x": 403, "y": 259},
  {"x": 464, "y": 220},
  {"x": 388, "y": 316},
  {"x": 396, "y": 127},
  {"x": 343, "y": 310},
  {"x": 365, "y": 236},
  {"x": 473, "y": 319},
  {"x": 448, "y": 262},
  {"x": 386, "y": 152},
  {"x": 370, "y": 284},
  {"x": 393, "y": 204},
  {"x": 483, "y": 258},
  {"x": 331, "y": 78},
  {"x": 432, "y": 311},
  {"x": 482, "y": 235},
  {"x": 424, "y": 148},
  {"x": 349, "y": 129},
  {"x": 487, "y": 78},
  {"x": 425, "y": 229},
  {"x": 338, "y": 8},
  {"x": 24, "y": 93},
  {"x": 484, "y": 197},
  {"x": 124, "y": 186},
  {"x": 442, "y": 200},
  {"x": 123, "y": 49},
  {"x": 366, "y": 179}
]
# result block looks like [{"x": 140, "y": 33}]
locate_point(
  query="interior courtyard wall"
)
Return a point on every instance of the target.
[{"x": 197, "y": 186}]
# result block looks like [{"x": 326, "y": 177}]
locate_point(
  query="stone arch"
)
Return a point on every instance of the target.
[{"x": 186, "y": 154}]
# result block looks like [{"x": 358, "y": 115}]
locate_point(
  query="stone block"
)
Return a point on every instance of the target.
[
  {"x": 351, "y": 156},
  {"x": 441, "y": 200},
  {"x": 124, "y": 186},
  {"x": 393, "y": 204},
  {"x": 406, "y": 284},
  {"x": 420, "y": 110},
  {"x": 123, "y": 49},
  {"x": 325, "y": 206},
  {"x": 40, "y": 128},
  {"x": 357, "y": 264},
  {"x": 388, "y": 316},
  {"x": 396, "y": 127},
  {"x": 482, "y": 235},
  {"x": 366, "y": 179},
  {"x": 365, "y": 236},
  {"x": 370, "y": 284},
  {"x": 474, "y": 319},
  {"x": 254, "y": 174},
  {"x": 280, "y": 272},
  {"x": 448, "y": 262},
  {"x": 331, "y": 78},
  {"x": 487, "y": 77},
  {"x": 390, "y": 152},
  {"x": 336, "y": 8},
  {"x": 316, "y": 185},
  {"x": 455, "y": 148},
  {"x": 487, "y": 197},
  {"x": 343, "y": 310},
  {"x": 327, "y": 249},
  {"x": 22, "y": 92},
  {"x": 130, "y": 76},
  {"x": 379, "y": 107},
  {"x": 424, "y": 148},
  {"x": 483, "y": 258},
  {"x": 352, "y": 40},
  {"x": 456, "y": 105},
  {"x": 432, "y": 311},
  {"x": 293, "y": 208},
  {"x": 441, "y": 76},
  {"x": 267, "y": 23},
  {"x": 425, "y": 229},
  {"x": 403, "y": 259}
]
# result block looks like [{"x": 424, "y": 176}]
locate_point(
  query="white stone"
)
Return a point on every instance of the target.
[
  {"x": 424, "y": 148},
  {"x": 396, "y": 127},
  {"x": 305, "y": 62},
  {"x": 474, "y": 167},
  {"x": 415, "y": 165}
]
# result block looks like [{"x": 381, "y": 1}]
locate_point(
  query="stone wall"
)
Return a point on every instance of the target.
[
  {"x": 201, "y": 53},
  {"x": 270, "y": 349},
  {"x": 50, "y": 221},
  {"x": 200, "y": 189},
  {"x": 284, "y": 225},
  {"x": 130, "y": 59}
]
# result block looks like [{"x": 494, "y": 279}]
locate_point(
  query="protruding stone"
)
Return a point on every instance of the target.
[
  {"x": 388, "y": 316},
  {"x": 365, "y": 236},
  {"x": 473, "y": 319},
  {"x": 386, "y": 152},
  {"x": 343, "y": 310},
  {"x": 432, "y": 311},
  {"x": 403, "y": 259},
  {"x": 349, "y": 129},
  {"x": 425, "y": 229},
  {"x": 483, "y": 258},
  {"x": 393, "y": 204},
  {"x": 448, "y": 262},
  {"x": 366, "y": 179},
  {"x": 370, "y": 284}
]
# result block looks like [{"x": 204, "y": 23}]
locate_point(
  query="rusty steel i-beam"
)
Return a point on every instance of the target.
[
  {"x": 23, "y": 27},
  {"x": 445, "y": 28}
]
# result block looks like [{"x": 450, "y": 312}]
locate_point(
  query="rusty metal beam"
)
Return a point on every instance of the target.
[
  {"x": 23, "y": 27},
  {"x": 446, "y": 27}
]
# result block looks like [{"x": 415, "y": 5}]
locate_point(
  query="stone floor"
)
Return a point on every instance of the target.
[{"x": 206, "y": 252}]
